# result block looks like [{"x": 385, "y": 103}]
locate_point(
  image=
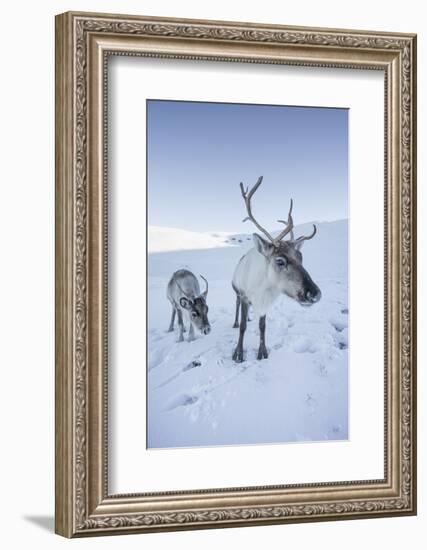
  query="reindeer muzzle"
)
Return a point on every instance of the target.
[{"x": 310, "y": 297}]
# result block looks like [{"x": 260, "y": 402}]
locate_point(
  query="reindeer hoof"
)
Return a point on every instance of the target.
[
  {"x": 262, "y": 353},
  {"x": 236, "y": 325},
  {"x": 238, "y": 355}
]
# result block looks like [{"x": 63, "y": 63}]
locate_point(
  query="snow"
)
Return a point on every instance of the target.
[
  {"x": 197, "y": 396},
  {"x": 163, "y": 239}
]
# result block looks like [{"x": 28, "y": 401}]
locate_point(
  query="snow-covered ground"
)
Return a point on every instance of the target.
[{"x": 198, "y": 396}]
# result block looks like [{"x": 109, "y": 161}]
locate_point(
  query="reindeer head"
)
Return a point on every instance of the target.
[
  {"x": 284, "y": 259},
  {"x": 198, "y": 310}
]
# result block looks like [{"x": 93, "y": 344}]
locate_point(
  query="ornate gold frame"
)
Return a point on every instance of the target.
[{"x": 83, "y": 505}]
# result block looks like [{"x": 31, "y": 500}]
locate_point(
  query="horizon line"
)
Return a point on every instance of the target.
[{"x": 225, "y": 231}]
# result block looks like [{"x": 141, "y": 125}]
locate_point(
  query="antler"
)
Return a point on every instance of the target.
[
  {"x": 247, "y": 196},
  {"x": 289, "y": 225},
  {"x": 301, "y": 239},
  {"x": 291, "y": 236},
  {"x": 205, "y": 293}
]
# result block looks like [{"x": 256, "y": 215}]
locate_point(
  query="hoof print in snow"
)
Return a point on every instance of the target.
[
  {"x": 193, "y": 365},
  {"x": 311, "y": 403},
  {"x": 182, "y": 400},
  {"x": 342, "y": 345},
  {"x": 323, "y": 371}
]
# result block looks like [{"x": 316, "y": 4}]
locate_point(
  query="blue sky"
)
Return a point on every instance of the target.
[{"x": 199, "y": 152}]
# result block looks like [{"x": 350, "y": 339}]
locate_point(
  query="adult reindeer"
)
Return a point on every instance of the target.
[{"x": 271, "y": 268}]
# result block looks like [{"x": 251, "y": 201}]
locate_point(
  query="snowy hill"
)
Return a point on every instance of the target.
[
  {"x": 198, "y": 396},
  {"x": 327, "y": 250},
  {"x": 163, "y": 239}
]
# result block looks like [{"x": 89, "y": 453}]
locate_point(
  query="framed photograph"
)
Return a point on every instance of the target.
[{"x": 235, "y": 274}]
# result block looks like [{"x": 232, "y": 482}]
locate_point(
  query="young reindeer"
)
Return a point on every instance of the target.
[
  {"x": 183, "y": 292},
  {"x": 271, "y": 268}
]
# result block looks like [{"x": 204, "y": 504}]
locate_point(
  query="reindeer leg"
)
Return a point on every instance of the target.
[
  {"x": 262, "y": 351},
  {"x": 249, "y": 315},
  {"x": 172, "y": 319},
  {"x": 238, "y": 352},
  {"x": 191, "y": 333},
  {"x": 181, "y": 326},
  {"x": 236, "y": 320}
]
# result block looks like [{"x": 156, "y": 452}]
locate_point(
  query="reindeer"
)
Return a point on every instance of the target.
[
  {"x": 183, "y": 292},
  {"x": 271, "y": 268}
]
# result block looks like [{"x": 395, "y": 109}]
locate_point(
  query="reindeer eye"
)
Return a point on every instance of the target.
[
  {"x": 281, "y": 262},
  {"x": 194, "y": 314}
]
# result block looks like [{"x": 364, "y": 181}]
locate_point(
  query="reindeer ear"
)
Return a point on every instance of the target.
[{"x": 264, "y": 247}]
